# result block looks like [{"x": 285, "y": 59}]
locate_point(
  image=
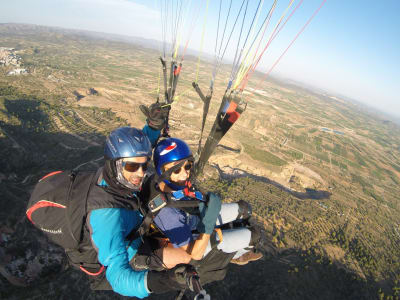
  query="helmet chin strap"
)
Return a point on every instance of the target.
[
  {"x": 173, "y": 186},
  {"x": 165, "y": 176}
]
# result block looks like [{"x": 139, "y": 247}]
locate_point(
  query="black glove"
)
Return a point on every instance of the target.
[
  {"x": 175, "y": 279},
  {"x": 156, "y": 115}
]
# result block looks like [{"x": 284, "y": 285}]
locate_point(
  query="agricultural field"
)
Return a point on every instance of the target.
[{"x": 322, "y": 173}]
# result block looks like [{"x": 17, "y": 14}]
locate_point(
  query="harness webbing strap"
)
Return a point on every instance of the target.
[
  {"x": 206, "y": 106},
  {"x": 149, "y": 216},
  {"x": 184, "y": 203},
  {"x": 198, "y": 90},
  {"x": 72, "y": 177},
  {"x": 229, "y": 111},
  {"x": 142, "y": 230},
  {"x": 175, "y": 80},
  {"x": 171, "y": 80},
  {"x": 213, "y": 240},
  {"x": 164, "y": 68}
]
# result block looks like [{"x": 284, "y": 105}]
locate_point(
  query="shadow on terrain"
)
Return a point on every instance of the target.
[
  {"x": 28, "y": 151},
  {"x": 29, "y": 147},
  {"x": 292, "y": 274},
  {"x": 239, "y": 173}
]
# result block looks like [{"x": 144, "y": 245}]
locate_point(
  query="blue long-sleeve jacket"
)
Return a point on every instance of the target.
[
  {"x": 152, "y": 134},
  {"x": 109, "y": 228}
]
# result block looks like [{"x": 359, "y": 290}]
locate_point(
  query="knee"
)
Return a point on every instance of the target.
[
  {"x": 173, "y": 256},
  {"x": 245, "y": 210}
]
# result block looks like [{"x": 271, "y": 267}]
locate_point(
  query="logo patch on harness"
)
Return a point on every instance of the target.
[{"x": 169, "y": 148}]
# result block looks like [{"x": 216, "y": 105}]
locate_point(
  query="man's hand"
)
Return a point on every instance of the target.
[
  {"x": 209, "y": 213},
  {"x": 175, "y": 279},
  {"x": 156, "y": 115}
]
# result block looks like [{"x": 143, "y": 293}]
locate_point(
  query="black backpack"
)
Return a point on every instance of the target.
[{"x": 57, "y": 206}]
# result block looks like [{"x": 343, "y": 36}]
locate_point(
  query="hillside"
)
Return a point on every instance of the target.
[{"x": 321, "y": 172}]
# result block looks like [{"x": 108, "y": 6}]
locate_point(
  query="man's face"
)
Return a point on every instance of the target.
[
  {"x": 134, "y": 169},
  {"x": 180, "y": 176}
]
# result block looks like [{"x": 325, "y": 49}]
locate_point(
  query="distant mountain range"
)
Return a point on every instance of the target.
[{"x": 143, "y": 42}]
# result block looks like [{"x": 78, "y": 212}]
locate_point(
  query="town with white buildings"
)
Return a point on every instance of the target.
[{"x": 8, "y": 57}]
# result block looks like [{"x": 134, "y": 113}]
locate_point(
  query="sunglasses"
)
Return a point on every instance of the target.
[
  {"x": 134, "y": 166},
  {"x": 187, "y": 167}
]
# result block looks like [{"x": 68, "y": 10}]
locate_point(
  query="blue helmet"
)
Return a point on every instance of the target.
[
  {"x": 122, "y": 143},
  {"x": 126, "y": 142},
  {"x": 170, "y": 150}
]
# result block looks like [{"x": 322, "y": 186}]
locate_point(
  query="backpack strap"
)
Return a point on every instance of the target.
[
  {"x": 72, "y": 177},
  {"x": 213, "y": 239},
  {"x": 142, "y": 230},
  {"x": 68, "y": 212}
]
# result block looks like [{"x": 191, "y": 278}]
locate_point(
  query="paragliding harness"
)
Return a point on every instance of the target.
[
  {"x": 59, "y": 206},
  {"x": 60, "y": 203},
  {"x": 159, "y": 200},
  {"x": 213, "y": 266}
]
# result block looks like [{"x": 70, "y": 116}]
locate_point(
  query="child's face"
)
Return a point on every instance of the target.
[{"x": 181, "y": 175}]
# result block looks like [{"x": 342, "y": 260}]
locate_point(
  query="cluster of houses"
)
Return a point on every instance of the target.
[{"x": 9, "y": 58}]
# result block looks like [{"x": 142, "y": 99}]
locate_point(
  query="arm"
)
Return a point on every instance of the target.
[
  {"x": 208, "y": 216},
  {"x": 174, "y": 256},
  {"x": 152, "y": 134},
  {"x": 108, "y": 228}
]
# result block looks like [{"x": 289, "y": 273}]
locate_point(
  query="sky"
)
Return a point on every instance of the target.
[{"x": 350, "y": 48}]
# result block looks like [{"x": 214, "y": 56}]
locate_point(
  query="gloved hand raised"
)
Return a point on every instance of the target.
[
  {"x": 175, "y": 279},
  {"x": 156, "y": 115},
  {"x": 209, "y": 213}
]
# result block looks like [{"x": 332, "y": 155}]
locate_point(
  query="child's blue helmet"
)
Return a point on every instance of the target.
[{"x": 170, "y": 150}]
